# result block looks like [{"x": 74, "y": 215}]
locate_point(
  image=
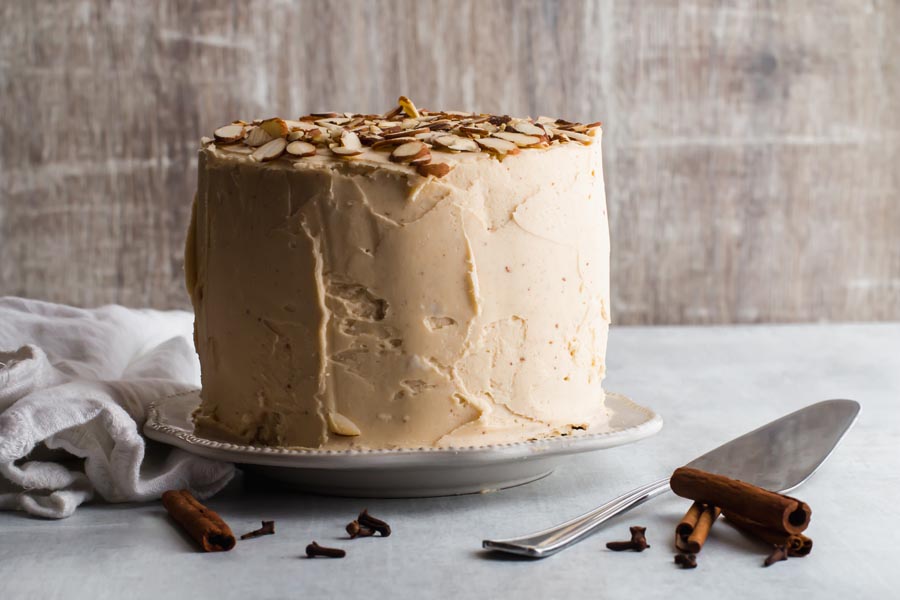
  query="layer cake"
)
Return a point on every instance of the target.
[{"x": 412, "y": 279}]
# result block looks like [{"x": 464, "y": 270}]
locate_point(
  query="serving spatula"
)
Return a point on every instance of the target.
[{"x": 778, "y": 456}]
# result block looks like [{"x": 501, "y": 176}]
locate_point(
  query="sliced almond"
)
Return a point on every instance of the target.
[
  {"x": 406, "y": 133},
  {"x": 275, "y": 127},
  {"x": 318, "y": 136},
  {"x": 574, "y": 135},
  {"x": 433, "y": 170},
  {"x": 455, "y": 142},
  {"x": 392, "y": 143},
  {"x": 341, "y": 425},
  {"x": 257, "y": 137},
  {"x": 392, "y": 113},
  {"x": 472, "y": 130},
  {"x": 270, "y": 150},
  {"x": 525, "y": 127},
  {"x": 475, "y": 120},
  {"x": 343, "y": 151},
  {"x": 351, "y": 140},
  {"x": 333, "y": 130},
  {"x": 333, "y": 121},
  {"x": 370, "y": 139},
  {"x": 409, "y": 151},
  {"x": 408, "y": 107},
  {"x": 519, "y": 139},
  {"x": 498, "y": 146},
  {"x": 302, "y": 125},
  {"x": 429, "y": 136},
  {"x": 296, "y": 135},
  {"x": 230, "y": 133},
  {"x": 424, "y": 159},
  {"x": 301, "y": 149},
  {"x": 206, "y": 141},
  {"x": 440, "y": 125},
  {"x": 324, "y": 115}
]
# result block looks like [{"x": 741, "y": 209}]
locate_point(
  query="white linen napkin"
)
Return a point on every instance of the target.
[{"x": 79, "y": 382}]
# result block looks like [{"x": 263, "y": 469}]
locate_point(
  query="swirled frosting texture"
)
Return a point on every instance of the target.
[{"x": 357, "y": 304}]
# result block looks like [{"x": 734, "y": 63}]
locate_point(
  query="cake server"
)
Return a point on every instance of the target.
[{"x": 778, "y": 456}]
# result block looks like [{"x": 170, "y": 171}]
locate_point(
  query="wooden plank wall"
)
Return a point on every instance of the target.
[{"x": 752, "y": 149}]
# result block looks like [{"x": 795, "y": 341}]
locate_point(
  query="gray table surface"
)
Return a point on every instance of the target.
[{"x": 710, "y": 384}]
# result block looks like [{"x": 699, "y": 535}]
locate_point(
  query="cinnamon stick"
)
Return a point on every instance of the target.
[
  {"x": 769, "y": 509},
  {"x": 201, "y": 523},
  {"x": 692, "y": 531},
  {"x": 686, "y": 526},
  {"x": 796, "y": 544}
]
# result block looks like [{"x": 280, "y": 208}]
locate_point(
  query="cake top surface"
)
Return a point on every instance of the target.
[{"x": 424, "y": 140}]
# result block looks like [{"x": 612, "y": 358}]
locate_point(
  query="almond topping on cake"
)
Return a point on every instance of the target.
[
  {"x": 409, "y": 151},
  {"x": 230, "y": 133},
  {"x": 302, "y": 149},
  {"x": 270, "y": 150},
  {"x": 404, "y": 135}
]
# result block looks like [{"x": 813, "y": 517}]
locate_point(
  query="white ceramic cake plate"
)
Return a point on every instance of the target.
[{"x": 402, "y": 473}]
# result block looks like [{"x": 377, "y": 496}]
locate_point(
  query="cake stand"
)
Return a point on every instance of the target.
[{"x": 407, "y": 473}]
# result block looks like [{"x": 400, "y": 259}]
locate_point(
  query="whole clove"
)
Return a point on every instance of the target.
[
  {"x": 686, "y": 561},
  {"x": 355, "y": 530},
  {"x": 268, "y": 528},
  {"x": 366, "y": 520},
  {"x": 638, "y": 541},
  {"x": 778, "y": 554},
  {"x": 314, "y": 550}
]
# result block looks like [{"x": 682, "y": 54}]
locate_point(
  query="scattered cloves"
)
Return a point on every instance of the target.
[
  {"x": 268, "y": 528},
  {"x": 686, "y": 561},
  {"x": 315, "y": 549},
  {"x": 368, "y": 521},
  {"x": 778, "y": 554},
  {"x": 638, "y": 541},
  {"x": 355, "y": 530},
  {"x": 620, "y": 546}
]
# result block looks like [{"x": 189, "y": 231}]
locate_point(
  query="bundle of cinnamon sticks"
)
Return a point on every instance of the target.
[{"x": 774, "y": 518}]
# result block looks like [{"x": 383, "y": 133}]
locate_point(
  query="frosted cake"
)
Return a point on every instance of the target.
[{"x": 413, "y": 279}]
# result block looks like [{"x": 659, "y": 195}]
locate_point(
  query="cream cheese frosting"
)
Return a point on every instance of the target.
[{"x": 359, "y": 301}]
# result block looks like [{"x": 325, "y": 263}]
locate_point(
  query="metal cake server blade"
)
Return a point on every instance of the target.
[{"x": 778, "y": 456}]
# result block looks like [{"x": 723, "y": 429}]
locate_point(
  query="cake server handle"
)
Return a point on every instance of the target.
[{"x": 550, "y": 541}]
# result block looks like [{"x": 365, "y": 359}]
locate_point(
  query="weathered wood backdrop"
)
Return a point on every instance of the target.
[{"x": 752, "y": 149}]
